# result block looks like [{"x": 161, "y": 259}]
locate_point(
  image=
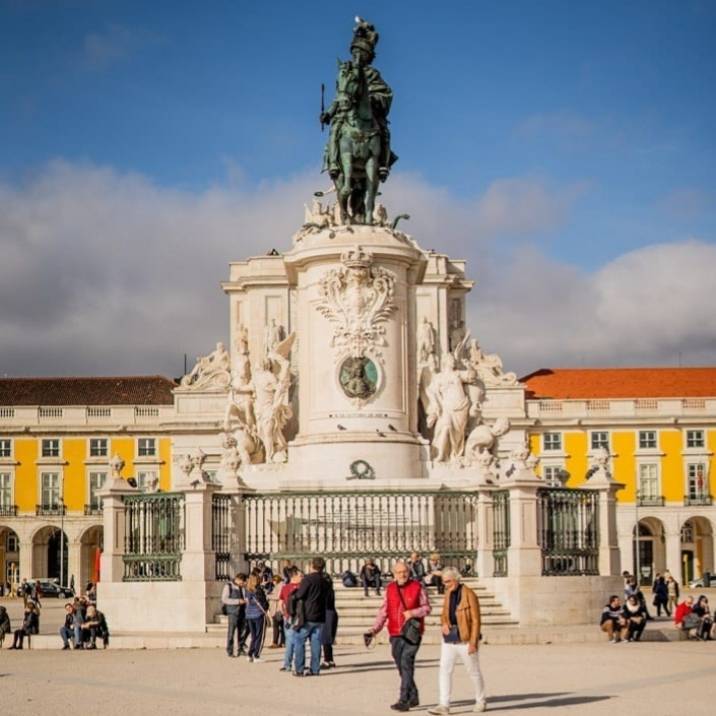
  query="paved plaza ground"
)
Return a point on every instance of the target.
[{"x": 631, "y": 679}]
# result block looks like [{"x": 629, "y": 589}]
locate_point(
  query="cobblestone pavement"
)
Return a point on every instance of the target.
[{"x": 664, "y": 678}]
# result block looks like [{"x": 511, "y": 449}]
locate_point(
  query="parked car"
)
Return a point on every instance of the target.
[
  {"x": 707, "y": 580},
  {"x": 51, "y": 588}
]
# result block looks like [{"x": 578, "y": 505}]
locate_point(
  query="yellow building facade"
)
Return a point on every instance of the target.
[{"x": 662, "y": 446}]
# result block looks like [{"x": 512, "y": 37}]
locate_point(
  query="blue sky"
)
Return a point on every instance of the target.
[{"x": 608, "y": 107}]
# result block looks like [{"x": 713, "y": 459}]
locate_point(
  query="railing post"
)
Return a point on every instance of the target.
[
  {"x": 524, "y": 555},
  {"x": 485, "y": 565},
  {"x": 600, "y": 478},
  {"x": 198, "y": 561},
  {"x": 111, "y": 561}
]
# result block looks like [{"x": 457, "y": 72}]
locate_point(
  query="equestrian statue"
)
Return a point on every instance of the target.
[{"x": 358, "y": 155}]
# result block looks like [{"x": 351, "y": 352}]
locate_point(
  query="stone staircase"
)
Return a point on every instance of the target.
[{"x": 356, "y": 613}]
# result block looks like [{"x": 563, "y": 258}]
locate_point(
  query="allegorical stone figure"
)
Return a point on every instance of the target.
[
  {"x": 426, "y": 345},
  {"x": 358, "y": 152}
]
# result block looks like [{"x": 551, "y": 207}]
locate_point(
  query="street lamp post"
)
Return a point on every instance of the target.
[
  {"x": 637, "y": 535},
  {"x": 62, "y": 531}
]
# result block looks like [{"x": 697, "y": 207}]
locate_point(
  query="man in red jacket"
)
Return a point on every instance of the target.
[{"x": 404, "y": 599}]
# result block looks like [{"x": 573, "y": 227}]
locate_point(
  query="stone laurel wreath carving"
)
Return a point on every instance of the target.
[
  {"x": 358, "y": 298},
  {"x": 361, "y": 470}
]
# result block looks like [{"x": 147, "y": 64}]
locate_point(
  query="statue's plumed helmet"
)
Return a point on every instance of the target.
[{"x": 364, "y": 37}]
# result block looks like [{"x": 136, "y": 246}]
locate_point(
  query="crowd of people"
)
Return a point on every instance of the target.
[
  {"x": 83, "y": 625},
  {"x": 625, "y": 620},
  {"x": 301, "y": 610}
]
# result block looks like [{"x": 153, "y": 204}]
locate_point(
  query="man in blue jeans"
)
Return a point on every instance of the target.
[
  {"x": 287, "y": 606},
  {"x": 315, "y": 592}
]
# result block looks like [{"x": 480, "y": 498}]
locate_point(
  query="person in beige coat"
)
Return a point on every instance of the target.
[{"x": 460, "y": 621}]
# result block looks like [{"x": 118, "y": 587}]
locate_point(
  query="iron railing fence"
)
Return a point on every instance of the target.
[
  {"x": 500, "y": 531},
  {"x": 345, "y": 528},
  {"x": 568, "y": 531},
  {"x": 154, "y": 537}
]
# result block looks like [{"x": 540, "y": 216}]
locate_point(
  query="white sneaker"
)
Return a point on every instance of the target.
[
  {"x": 439, "y": 710},
  {"x": 480, "y": 706}
]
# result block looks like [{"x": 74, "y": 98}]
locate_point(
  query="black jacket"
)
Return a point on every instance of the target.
[{"x": 316, "y": 592}]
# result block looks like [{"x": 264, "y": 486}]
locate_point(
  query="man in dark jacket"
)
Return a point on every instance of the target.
[{"x": 316, "y": 593}]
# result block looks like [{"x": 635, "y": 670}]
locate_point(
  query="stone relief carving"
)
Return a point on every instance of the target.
[
  {"x": 272, "y": 401},
  {"x": 231, "y": 459},
  {"x": 522, "y": 464},
  {"x": 599, "y": 468},
  {"x": 210, "y": 372},
  {"x": 489, "y": 367},
  {"x": 357, "y": 298},
  {"x": 273, "y": 335},
  {"x": 448, "y": 408},
  {"x": 457, "y": 335},
  {"x": 358, "y": 378},
  {"x": 427, "y": 342},
  {"x": 483, "y": 438}
]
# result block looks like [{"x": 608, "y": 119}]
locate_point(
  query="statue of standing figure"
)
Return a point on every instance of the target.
[{"x": 358, "y": 154}]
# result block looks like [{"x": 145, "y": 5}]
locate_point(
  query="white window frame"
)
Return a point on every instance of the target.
[
  {"x": 41, "y": 491},
  {"x": 706, "y": 488},
  {"x": 89, "y": 448},
  {"x": 141, "y": 477},
  {"x": 11, "y": 452},
  {"x": 50, "y": 457},
  {"x": 657, "y": 478},
  {"x": 14, "y": 535},
  {"x": 694, "y": 447},
  {"x": 593, "y": 447},
  {"x": 653, "y": 447},
  {"x": 90, "y": 473},
  {"x": 550, "y": 465},
  {"x": 557, "y": 449},
  {"x": 154, "y": 455},
  {"x": 11, "y": 479}
]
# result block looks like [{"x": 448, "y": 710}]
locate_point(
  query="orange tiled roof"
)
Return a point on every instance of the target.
[
  {"x": 131, "y": 390},
  {"x": 589, "y": 383}
]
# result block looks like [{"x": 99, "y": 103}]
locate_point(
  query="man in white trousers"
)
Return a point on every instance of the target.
[{"x": 460, "y": 621}]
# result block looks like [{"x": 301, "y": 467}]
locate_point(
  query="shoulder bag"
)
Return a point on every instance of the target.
[{"x": 411, "y": 629}]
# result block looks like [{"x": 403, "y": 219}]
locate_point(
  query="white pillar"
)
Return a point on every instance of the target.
[
  {"x": 74, "y": 549},
  {"x": 197, "y": 563},
  {"x": 609, "y": 557},
  {"x": 26, "y": 559},
  {"x": 485, "y": 563},
  {"x": 524, "y": 556},
  {"x": 673, "y": 553},
  {"x": 112, "y": 562}
]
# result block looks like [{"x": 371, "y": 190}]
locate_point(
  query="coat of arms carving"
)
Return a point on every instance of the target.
[{"x": 358, "y": 297}]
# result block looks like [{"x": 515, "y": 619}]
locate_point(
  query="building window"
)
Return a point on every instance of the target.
[
  {"x": 697, "y": 487},
  {"x": 687, "y": 533},
  {"x": 647, "y": 439},
  {"x": 96, "y": 483},
  {"x": 649, "y": 481},
  {"x": 146, "y": 479},
  {"x": 5, "y": 448},
  {"x": 552, "y": 441},
  {"x": 50, "y": 490},
  {"x": 695, "y": 438},
  {"x": 147, "y": 447},
  {"x": 600, "y": 439},
  {"x": 13, "y": 543},
  {"x": 5, "y": 490},
  {"x": 553, "y": 475},
  {"x": 51, "y": 447},
  {"x": 98, "y": 447}
]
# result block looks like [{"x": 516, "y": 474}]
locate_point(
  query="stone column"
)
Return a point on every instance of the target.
[
  {"x": 485, "y": 564},
  {"x": 26, "y": 559},
  {"x": 673, "y": 552},
  {"x": 74, "y": 563},
  {"x": 197, "y": 563},
  {"x": 609, "y": 558}
]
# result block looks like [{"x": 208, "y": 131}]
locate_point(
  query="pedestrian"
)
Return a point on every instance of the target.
[
  {"x": 274, "y": 612},
  {"x": 5, "y": 627},
  {"x": 370, "y": 576},
  {"x": 612, "y": 621},
  {"x": 91, "y": 592},
  {"x": 416, "y": 566},
  {"x": 684, "y": 618},
  {"x": 672, "y": 587},
  {"x": 635, "y": 617},
  {"x": 404, "y": 608},
  {"x": 314, "y": 594},
  {"x": 460, "y": 622},
  {"x": 233, "y": 600},
  {"x": 661, "y": 595},
  {"x": 78, "y": 618},
  {"x": 703, "y": 611},
  {"x": 288, "y": 609},
  {"x": 30, "y": 625},
  {"x": 256, "y": 616},
  {"x": 95, "y": 625},
  {"x": 434, "y": 578},
  {"x": 67, "y": 629},
  {"x": 330, "y": 627}
]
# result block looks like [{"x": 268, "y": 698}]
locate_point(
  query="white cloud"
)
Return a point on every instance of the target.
[{"x": 108, "y": 273}]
